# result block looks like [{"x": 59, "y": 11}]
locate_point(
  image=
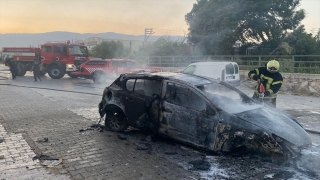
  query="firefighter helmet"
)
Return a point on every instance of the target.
[{"x": 273, "y": 66}]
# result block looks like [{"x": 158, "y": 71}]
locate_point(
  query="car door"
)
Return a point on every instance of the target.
[
  {"x": 137, "y": 95},
  {"x": 133, "y": 101},
  {"x": 185, "y": 116}
]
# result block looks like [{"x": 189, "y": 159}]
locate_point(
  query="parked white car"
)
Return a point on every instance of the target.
[{"x": 223, "y": 71}]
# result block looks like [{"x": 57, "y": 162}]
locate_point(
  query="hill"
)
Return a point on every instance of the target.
[{"x": 34, "y": 40}]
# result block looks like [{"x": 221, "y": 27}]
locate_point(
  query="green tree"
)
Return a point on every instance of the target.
[
  {"x": 215, "y": 25},
  {"x": 164, "y": 46},
  {"x": 318, "y": 42},
  {"x": 297, "y": 42},
  {"x": 111, "y": 49},
  {"x": 302, "y": 42}
]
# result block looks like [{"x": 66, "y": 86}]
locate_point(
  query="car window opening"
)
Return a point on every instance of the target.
[
  {"x": 144, "y": 87},
  {"x": 184, "y": 96},
  {"x": 230, "y": 69},
  {"x": 189, "y": 70}
]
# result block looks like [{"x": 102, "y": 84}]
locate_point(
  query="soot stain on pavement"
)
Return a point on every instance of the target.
[{"x": 217, "y": 166}]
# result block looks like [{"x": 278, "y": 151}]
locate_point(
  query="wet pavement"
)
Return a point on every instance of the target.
[{"x": 30, "y": 114}]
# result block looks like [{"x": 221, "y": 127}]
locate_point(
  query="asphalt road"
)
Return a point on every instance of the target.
[{"x": 81, "y": 97}]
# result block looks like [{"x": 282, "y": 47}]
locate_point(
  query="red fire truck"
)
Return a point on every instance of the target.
[{"x": 57, "y": 58}]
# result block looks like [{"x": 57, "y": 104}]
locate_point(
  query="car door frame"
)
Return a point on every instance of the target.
[
  {"x": 134, "y": 103},
  {"x": 205, "y": 139}
]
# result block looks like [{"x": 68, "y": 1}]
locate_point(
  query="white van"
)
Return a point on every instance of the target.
[{"x": 223, "y": 71}]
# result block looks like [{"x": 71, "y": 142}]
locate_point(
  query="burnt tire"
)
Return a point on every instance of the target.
[
  {"x": 99, "y": 77},
  {"x": 55, "y": 72},
  {"x": 115, "y": 119}
]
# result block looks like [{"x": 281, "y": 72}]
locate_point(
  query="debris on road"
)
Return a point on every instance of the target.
[
  {"x": 52, "y": 162},
  {"x": 41, "y": 157},
  {"x": 97, "y": 127},
  {"x": 200, "y": 165},
  {"x": 86, "y": 129},
  {"x": 143, "y": 146},
  {"x": 43, "y": 140},
  {"x": 149, "y": 138},
  {"x": 48, "y": 161},
  {"x": 1, "y": 157},
  {"x": 122, "y": 137},
  {"x": 1, "y": 140},
  {"x": 269, "y": 176}
]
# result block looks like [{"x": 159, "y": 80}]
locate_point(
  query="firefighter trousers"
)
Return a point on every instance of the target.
[
  {"x": 13, "y": 73},
  {"x": 36, "y": 74}
]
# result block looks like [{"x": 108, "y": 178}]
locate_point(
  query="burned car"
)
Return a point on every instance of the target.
[{"x": 199, "y": 111}]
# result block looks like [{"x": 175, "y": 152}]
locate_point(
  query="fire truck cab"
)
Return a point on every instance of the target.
[{"x": 60, "y": 58}]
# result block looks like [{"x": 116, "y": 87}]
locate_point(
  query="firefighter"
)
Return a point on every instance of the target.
[
  {"x": 36, "y": 69},
  {"x": 271, "y": 80},
  {"x": 13, "y": 67}
]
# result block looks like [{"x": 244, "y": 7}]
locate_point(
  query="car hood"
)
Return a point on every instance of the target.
[{"x": 277, "y": 123}]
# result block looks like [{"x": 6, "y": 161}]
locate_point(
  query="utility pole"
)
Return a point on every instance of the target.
[{"x": 147, "y": 33}]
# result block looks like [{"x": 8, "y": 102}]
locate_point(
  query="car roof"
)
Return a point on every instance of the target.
[
  {"x": 213, "y": 63},
  {"x": 126, "y": 60},
  {"x": 192, "y": 79},
  {"x": 99, "y": 60}
]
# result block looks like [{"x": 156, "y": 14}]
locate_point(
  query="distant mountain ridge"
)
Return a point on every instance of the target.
[{"x": 34, "y": 40}]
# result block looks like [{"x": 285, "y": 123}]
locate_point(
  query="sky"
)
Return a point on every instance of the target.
[{"x": 166, "y": 17}]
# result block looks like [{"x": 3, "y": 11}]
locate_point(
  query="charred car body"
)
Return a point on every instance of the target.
[{"x": 199, "y": 111}]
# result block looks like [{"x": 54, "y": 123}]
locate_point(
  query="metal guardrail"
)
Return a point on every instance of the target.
[{"x": 289, "y": 63}]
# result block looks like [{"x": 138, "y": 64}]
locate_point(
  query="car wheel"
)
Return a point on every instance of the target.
[
  {"x": 55, "y": 72},
  {"x": 115, "y": 119},
  {"x": 99, "y": 77}
]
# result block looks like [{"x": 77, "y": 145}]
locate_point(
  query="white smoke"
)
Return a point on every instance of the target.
[{"x": 228, "y": 99}]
